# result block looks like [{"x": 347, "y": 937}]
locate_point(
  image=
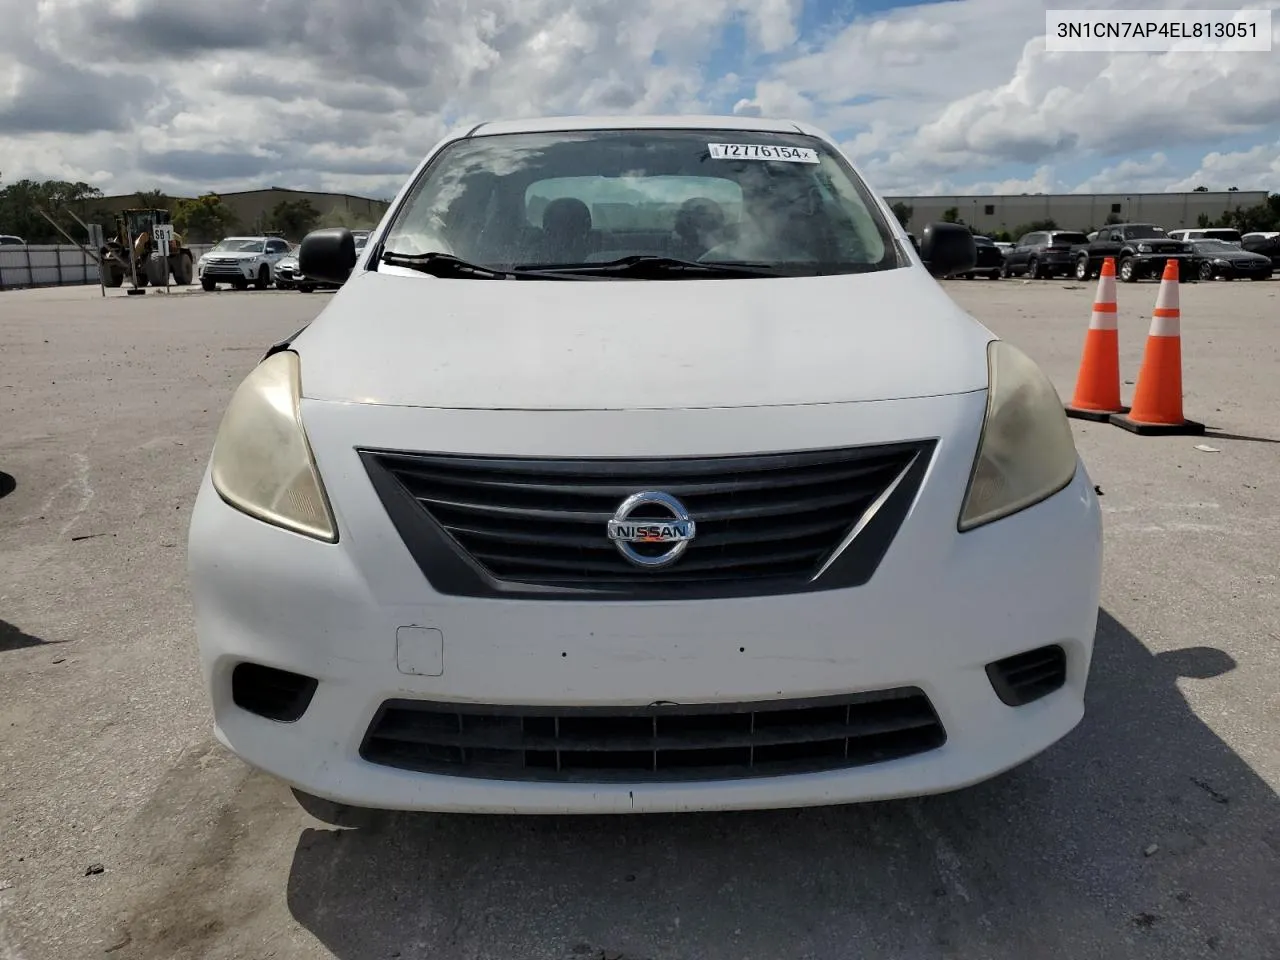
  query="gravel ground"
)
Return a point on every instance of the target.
[{"x": 1152, "y": 831}]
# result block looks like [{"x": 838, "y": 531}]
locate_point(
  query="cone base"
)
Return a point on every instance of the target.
[
  {"x": 1097, "y": 416},
  {"x": 1183, "y": 429}
]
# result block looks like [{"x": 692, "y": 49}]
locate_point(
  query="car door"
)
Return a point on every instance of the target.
[{"x": 1021, "y": 250}]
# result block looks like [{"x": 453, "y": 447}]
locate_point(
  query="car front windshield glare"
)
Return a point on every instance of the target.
[
  {"x": 581, "y": 197},
  {"x": 1143, "y": 233},
  {"x": 239, "y": 245},
  {"x": 1217, "y": 246}
]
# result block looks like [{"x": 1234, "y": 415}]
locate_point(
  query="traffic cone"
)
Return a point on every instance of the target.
[
  {"x": 1097, "y": 394},
  {"x": 1157, "y": 397}
]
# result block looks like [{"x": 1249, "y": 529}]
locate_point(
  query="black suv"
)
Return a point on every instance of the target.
[
  {"x": 1043, "y": 254},
  {"x": 1140, "y": 250}
]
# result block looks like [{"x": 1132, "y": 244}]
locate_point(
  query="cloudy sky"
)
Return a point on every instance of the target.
[{"x": 346, "y": 95}]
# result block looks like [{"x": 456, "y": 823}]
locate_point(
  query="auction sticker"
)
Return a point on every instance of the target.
[{"x": 760, "y": 151}]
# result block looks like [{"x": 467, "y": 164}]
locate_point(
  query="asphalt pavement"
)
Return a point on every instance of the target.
[{"x": 1152, "y": 831}]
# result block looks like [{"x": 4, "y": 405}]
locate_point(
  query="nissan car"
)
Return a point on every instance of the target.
[{"x": 642, "y": 464}]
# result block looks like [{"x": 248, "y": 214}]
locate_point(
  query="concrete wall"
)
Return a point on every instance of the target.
[
  {"x": 54, "y": 265},
  {"x": 1079, "y": 211}
]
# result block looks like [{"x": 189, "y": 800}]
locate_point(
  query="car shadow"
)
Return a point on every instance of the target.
[
  {"x": 1140, "y": 835},
  {"x": 12, "y": 638}
]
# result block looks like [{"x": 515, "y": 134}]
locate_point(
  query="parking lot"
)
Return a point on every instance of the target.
[{"x": 1153, "y": 830}]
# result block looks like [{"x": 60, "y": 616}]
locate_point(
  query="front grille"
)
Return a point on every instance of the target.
[
  {"x": 480, "y": 525},
  {"x": 656, "y": 743},
  {"x": 1027, "y": 677}
]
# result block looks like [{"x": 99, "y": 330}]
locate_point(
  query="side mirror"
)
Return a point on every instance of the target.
[
  {"x": 948, "y": 249},
  {"x": 328, "y": 255}
]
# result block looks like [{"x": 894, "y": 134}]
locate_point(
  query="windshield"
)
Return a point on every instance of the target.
[
  {"x": 239, "y": 245},
  {"x": 1138, "y": 233},
  {"x": 780, "y": 201},
  {"x": 1216, "y": 246}
]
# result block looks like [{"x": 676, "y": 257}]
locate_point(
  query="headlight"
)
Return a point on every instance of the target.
[
  {"x": 1027, "y": 452},
  {"x": 262, "y": 463},
  {"x": 1144, "y": 248}
]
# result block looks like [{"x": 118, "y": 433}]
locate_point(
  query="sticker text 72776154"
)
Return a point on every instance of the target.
[{"x": 762, "y": 151}]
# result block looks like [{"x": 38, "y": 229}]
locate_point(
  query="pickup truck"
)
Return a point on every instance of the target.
[{"x": 1140, "y": 250}]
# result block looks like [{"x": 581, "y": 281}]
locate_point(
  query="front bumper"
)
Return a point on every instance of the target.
[
  {"x": 940, "y": 607},
  {"x": 226, "y": 272},
  {"x": 1152, "y": 264}
]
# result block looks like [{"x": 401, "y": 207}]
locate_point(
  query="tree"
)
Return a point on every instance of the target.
[
  {"x": 1035, "y": 226},
  {"x": 155, "y": 199},
  {"x": 951, "y": 215},
  {"x": 903, "y": 211},
  {"x": 1233, "y": 189},
  {"x": 1203, "y": 221},
  {"x": 345, "y": 217},
  {"x": 1201, "y": 189},
  {"x": 294, "y": 218},
  {"x": 204, "y": 218},
  {"x": 21, "y": 201}
]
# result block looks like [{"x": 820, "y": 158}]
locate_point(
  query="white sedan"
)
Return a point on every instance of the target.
[{"x": 719, "y": 501}]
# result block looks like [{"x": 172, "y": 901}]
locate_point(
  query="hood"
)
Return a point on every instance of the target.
[
  {"x": 415, "y": 340},
  {"x": 233, "y": 254}
]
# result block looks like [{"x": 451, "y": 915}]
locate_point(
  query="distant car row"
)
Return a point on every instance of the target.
[
  {"x": 1140, "y": 251},
  {"x": 259, "y": 262}
]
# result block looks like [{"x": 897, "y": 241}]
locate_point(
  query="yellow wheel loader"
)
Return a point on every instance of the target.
[{"x": 132, "y": 253}]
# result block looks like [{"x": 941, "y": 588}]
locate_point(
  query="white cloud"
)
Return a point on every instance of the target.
[
  {"x": 1255, "y": 169},
  {"x": 317, "y": 93}
]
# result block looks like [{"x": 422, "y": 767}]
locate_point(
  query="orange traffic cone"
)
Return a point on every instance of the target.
[
  {"x": 1157, "y": 397},
  {"x": 1097, "y": 394}
]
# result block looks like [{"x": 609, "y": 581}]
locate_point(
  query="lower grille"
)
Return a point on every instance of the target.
[
  {"x": 653, "y": 744},
  {"x": 778, "y": 523},
  {"x": 1027, "y": 677},
  {"x": 271, "y": 693}
]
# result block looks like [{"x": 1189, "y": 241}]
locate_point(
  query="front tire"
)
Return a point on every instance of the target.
[
  {"x": 1082, "y": 269},
  {"x": 1126, "y": 271},
  {"x": 264, "y": 277},
  {"x": 208, "y": 286},
  {"x": 1206, "y": 271},
  {"x": 157, "y": 270},
  {"x": 306, "y": 288}
]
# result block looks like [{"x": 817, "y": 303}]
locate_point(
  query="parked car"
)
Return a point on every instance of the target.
[
  {"x": 990, "y": 261},
  {"x": 310, "y": 284},
  {"x": 668, "y": 521},
  {"x": 1207, "y": 233},
  {"x": 1043, "y": 254},
  {"x": 1266, "y": 243},
  {"x": 286, "y": 270},
  {"x": 1221, "y": 260},
  {"x": 1004, "y": 246},
  {"x": 1139, "y": 250},
  {"x": 9, "y": 240},
  {"x": 241, "y": 261}
]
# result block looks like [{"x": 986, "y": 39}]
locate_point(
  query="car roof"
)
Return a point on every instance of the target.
[{"x": 623, "y": 122}]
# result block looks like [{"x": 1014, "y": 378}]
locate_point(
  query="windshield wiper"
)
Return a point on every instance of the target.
[
  {"x": 646, "y": 265},
  {"x": 443, "y": 265}
]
